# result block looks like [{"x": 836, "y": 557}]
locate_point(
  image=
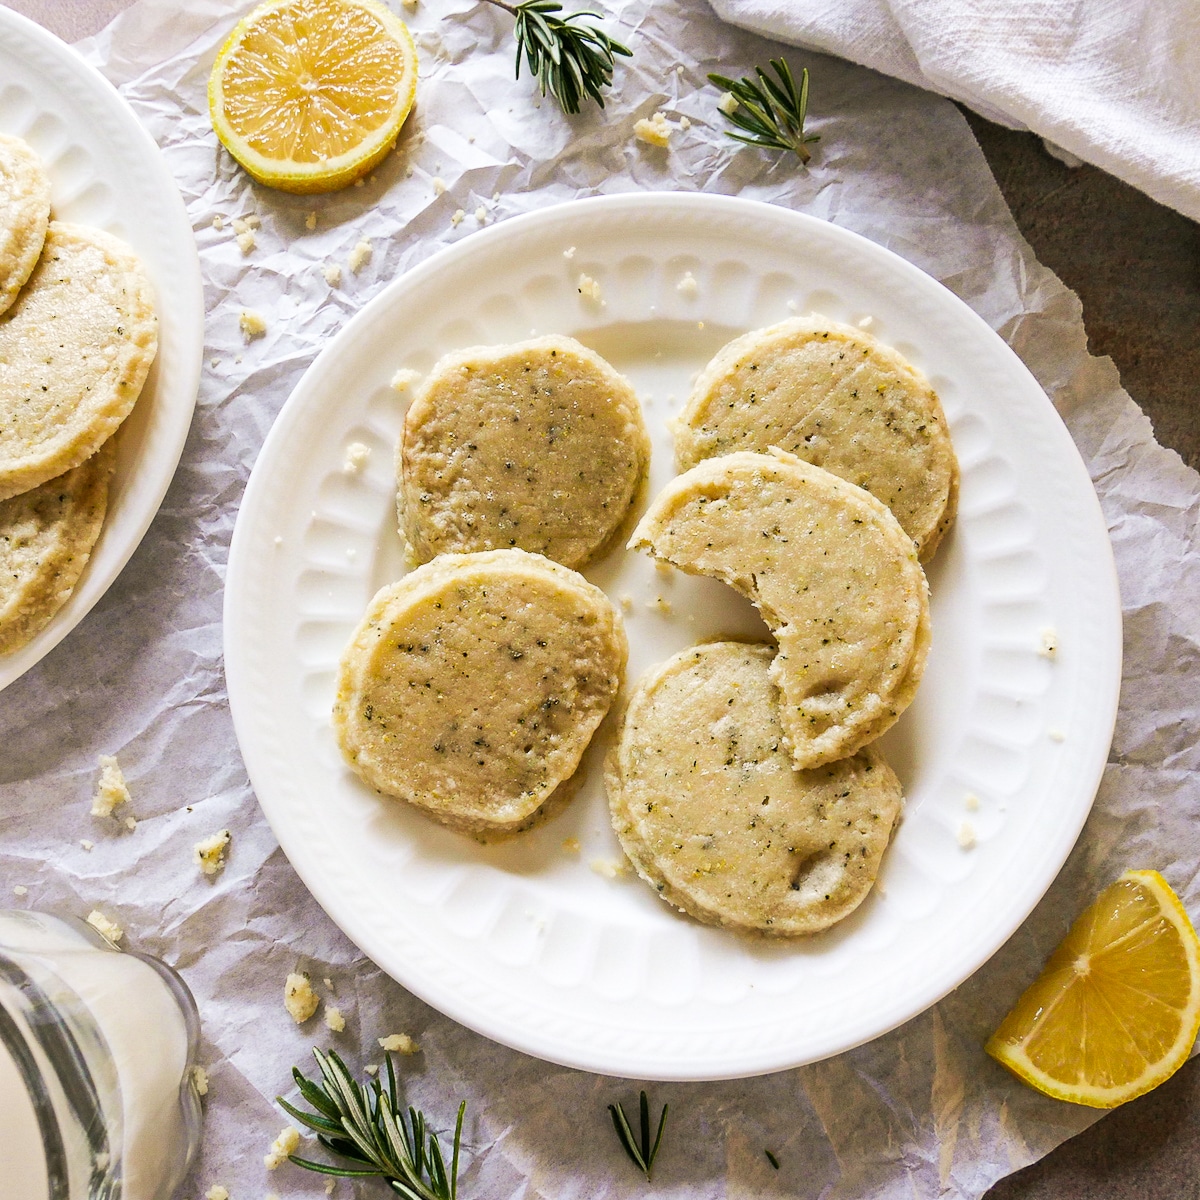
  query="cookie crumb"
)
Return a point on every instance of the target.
[
  {"x": 357, "y": 455},
  {"x": 655, "y": 131},
  {"x": 299, "y": 998},
  {"x": 571, "y": 845},
  {"x": 481, "y": 214},
  {"x": 210, "y": 853},
  {"x": 245, "y": 241},
  {"x": 252, "y": 323},
  {"x": 399, "y": 1043},
  {"x": 458, "y": 217},
  {"x": 359, "y": 256},
  {"x": 285, "y": 1144},
  {"x": 200, "y": 1080},
  {"x": 310, "y": 222},
  {"x": 439, "y": 185},
  {"x": 609, "y": 869},
  {"x": 332, "y": 273},
  {"x": 966, "y": 836},
  {"x": 1057, "y": 735},
  {"x": 404, "y": 379},
  {"x": 217, "y": 1192},
  {"x": 1049, "y": 646},
  {"x": 334, "y": 1019},
  {"x": 688, "y": 287},
  {"x": 111, "y": 788},
  {"x": 971, "y": 801},
  {"x": 102, "y": 924},
  {"x": 569, "y": 253},
  {"x": 589, "y": 288},
  {"x": 86, "y": 844},
  {"x": 728, "y": 103},
  {"x": 20, "y": 890}
]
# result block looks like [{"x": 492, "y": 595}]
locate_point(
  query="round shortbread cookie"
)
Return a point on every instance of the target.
[
  {"x": 24, "y": 215},
  {"x": 538, "y": 445},
  {"x": 46, "y": 538},
  {"x": 472, "y": 687},
  {"x": 835, "y": 578},
  {"x": 836, "y": 397},
  {"x": 75, "y": 350},
  {"x": 710, "y": 810}
]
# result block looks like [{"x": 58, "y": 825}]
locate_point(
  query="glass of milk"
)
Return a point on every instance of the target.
[{"x": 97, "y": 1100}]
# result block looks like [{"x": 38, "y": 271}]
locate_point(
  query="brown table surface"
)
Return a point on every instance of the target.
[{"x": 1136, "y": 267}]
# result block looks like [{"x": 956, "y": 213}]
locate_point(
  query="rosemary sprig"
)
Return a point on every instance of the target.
[
  {"x": 640, "y": 1151},
  {"x": 570, "y": 61},
  {"x": 368, "y": 1126},
  {"x": 770, "y": 113}
]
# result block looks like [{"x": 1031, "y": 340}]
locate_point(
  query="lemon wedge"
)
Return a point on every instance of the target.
[
  {"x": 309, "y": 95},
  {"x": 1116, "y": 1009}
]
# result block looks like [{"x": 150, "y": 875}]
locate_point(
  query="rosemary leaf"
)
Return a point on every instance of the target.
[
  {"x": 641, "y": 1151},
  {"x": 571, "y": 60},
  {"x": 770, "y": 112},
  {"x": 368, "y": 1127}
]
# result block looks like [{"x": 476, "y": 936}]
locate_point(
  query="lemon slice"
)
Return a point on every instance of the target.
[
  {"x": 308, "y": 95},
  {"x": 1116, "y": 1009}
]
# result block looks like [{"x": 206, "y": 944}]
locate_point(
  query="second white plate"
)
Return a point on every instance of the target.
[
  {"x": 539, "y": 947},
  {"x": 106, "y": 171}
]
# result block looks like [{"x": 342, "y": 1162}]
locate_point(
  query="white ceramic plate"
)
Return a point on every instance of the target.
[
  {"x": 105, "y": 170},
  {"x": 527, "y": 942}
]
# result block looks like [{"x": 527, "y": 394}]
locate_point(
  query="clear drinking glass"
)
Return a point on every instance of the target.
[{"x": 97, "y": 1098}]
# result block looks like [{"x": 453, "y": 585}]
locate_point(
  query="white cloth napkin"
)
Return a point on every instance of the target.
[{"x": 1113, "y": 82}]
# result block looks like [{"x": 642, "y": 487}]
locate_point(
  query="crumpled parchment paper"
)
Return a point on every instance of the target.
[{"x": 921, "y": 1112}]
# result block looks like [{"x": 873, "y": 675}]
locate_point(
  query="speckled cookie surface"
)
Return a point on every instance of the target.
[
  {"x": 46, "y": 538},
  {"x": 75, "y": 350},
  {"x": 836, "y": 397},
  {"x": 472, "y": 687},
  {"x": 24, "y": 215},
  {"x": 833, "y": 574},
  {"x": 710, "y": 810},
  {"x": 538, "y": 445}
]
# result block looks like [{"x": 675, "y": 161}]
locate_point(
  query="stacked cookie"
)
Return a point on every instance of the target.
[
  {"x": 744, "y": 786},
  {"x": 473, "y": 686},
  {"x": 77, "y": 336}
]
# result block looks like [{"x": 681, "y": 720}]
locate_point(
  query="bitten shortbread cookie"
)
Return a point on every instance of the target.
[
  {"x": 836, "y": 397},
  {"x": 46, "y": 538},
  {"x": 538, "y": 445},
  {"x": 710, "y": 810},
  {"x": 473, "y": 686},
  {"x": 835, "y": 578},
  {"x": 75, "y": 350},
  {"x": 24, "y": 215}
]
